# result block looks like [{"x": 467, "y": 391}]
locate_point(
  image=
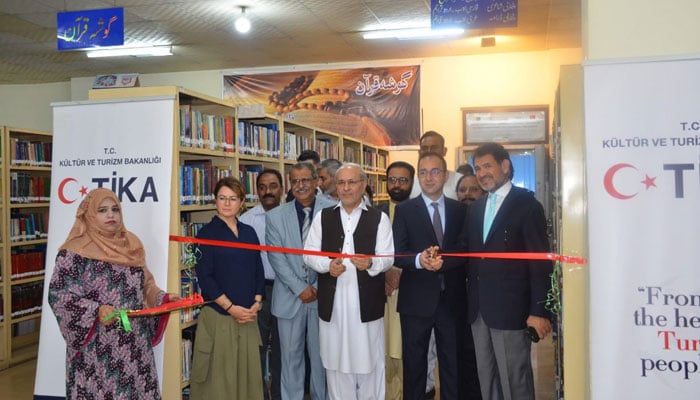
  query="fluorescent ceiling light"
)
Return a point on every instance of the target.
[
  {"x": 412, "y": 33},
  {"x": 148, "y": 51}
]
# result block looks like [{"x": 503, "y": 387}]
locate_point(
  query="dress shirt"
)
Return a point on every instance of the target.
[
  {"x": 347, "y": 344},
  {"x": 255, "y": 217},
  {"x": 502, "y": 192},
  {"x": 431, "y": 211}
]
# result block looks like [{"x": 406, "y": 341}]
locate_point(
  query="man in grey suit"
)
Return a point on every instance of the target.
[{"x": 294, "y": 293}]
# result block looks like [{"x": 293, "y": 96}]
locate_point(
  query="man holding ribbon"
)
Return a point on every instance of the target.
[
  {"x": 505, "y": 296},
  {"x": 294, "y": 292},
  {"x": 351, "y": 290},
  {"x": 432, "y": 290}
]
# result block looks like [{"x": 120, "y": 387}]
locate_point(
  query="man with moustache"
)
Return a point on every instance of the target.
[
  {"x": 432, "y": 290},
  {"x": 468, "y": 189},
  {"x": 505, "y": 296},
  {"x": 351, "y": 290},
  {"x": 294, "y": 293},
  {"x": 269, "y": 186},
  {"x": 399, "y": 182}
]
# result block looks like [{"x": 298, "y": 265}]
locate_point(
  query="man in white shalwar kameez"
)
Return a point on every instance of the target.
[{"x": 351, "y": 290}]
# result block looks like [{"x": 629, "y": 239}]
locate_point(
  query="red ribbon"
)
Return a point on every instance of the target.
[
  {"x": 190, "y": 301},
  {"x": 248, "y": 246}
]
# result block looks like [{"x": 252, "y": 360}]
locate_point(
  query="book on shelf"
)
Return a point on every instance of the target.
[
  {"x": 27, "y": 298},
  {"x": 25, "y": 188},
  {"x": 27, "y": 263},
  {"x": 205, "y": 131},
  {"x": 248, "y": 175},
  {"x": 189, "y": 285},
  {"x": 258, "y": 139},
  {"x": 28, "y": 226},
  {"x": 30, "y": 153}
]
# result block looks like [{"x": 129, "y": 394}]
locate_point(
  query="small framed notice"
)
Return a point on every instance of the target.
[
  {"x": 513, "y": 124},
  {"x": 110, "y": 81}
]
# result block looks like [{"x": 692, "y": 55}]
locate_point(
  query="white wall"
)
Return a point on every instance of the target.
[
  {"x": 448, "y": 84},
  {"x": 29, "y": 106}
]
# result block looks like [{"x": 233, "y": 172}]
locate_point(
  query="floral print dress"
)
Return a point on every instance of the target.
[{"x": 103, "y": 362}]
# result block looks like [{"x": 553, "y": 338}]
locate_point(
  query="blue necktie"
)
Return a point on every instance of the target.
[{"x": 490, "y": 214}]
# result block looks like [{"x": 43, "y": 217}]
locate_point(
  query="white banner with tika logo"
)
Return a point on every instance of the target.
[
  {"x": 643, "y": 176},
  {"x": 122, "y": 146}
]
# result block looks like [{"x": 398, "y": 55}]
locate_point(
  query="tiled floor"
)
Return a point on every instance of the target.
[{"x": 17, "y": 383}]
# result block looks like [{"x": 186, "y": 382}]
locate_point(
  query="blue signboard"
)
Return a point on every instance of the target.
[
  {"x": 473, "y": 14},
  {"x": 90, "y": 28}
]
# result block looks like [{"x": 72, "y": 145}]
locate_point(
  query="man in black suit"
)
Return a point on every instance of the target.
[
  {"x": 431, "y": 290},
  {"x": 505, "y": 296}
]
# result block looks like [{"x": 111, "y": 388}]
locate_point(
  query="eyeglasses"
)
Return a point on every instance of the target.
[
  {"x": 303, "y": 181},
  {"x": 392, "y": 179},
  {"x": 224, "y": 199},
  {"x": 350, "y": 182},
  {"x": 434, "y": 172}
]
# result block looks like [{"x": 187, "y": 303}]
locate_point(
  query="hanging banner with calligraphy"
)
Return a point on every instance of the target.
[
  {"x": 473, "y": 14},
  {"x": 379, "y": 105},
  {"x": 90, "y": 28}
]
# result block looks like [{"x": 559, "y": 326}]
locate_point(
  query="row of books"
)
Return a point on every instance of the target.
[
  {"x": 248, "y": 175},
  {"x": 27, "y": 263},
  {"x": 25, "y": 188},
  {"x": 258, "y": 139},
  {"x": 198, "y": 179},
  {"x": 31, "y": 153},
  {"x": 374, "y": 161},
  {"x": 349, "y": 155},
  {"x": 293, "y": 145},
  {"x": 205, "y": 131},
  {"x": 29, "y": 226},
  {"x": 326, "y": 148},
  {"x": 189, "y": 285},
  {"x": 26, "y": 299}
]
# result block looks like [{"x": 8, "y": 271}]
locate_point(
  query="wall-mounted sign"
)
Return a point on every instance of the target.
[
  {"x": 473, "y": 14},
  {"x": 90, "y": 28},
  {"x": 516, "y": 124}
]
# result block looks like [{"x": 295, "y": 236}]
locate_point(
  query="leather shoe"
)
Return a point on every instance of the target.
[{"x": 430, "y": 394}]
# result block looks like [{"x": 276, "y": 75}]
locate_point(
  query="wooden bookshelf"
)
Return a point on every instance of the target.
[
  {"x": 25, "y": 179},
  {"x": 257, "y": 143}
]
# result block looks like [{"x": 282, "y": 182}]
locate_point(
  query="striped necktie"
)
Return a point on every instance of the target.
[{"x": 306, "y": 224}]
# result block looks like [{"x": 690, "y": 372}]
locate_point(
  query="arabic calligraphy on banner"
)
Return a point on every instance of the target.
[
  {"x": 90, "y": 28},
  {"x": 379, "y": 105},
  {"x": 473, "y": 14}
]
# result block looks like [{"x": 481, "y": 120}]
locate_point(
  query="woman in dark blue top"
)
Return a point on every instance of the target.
[{"x": 226, "y": 352}]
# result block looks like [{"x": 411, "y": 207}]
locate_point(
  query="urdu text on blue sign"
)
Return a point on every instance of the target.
[
  {"x": 473, "y": 14},
  {"x": 90, "y": 28}
]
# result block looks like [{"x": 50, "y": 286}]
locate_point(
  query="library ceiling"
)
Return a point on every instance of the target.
[{"x": 284, "y": 32}]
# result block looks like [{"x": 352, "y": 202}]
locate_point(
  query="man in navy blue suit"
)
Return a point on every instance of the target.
[
  {"x": 505, "y": 296},
  {"x": 431, "y": 290}
]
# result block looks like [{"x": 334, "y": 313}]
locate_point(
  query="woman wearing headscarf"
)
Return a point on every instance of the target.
[
  {"x": 226, "y": 362},
  {"x": 101, "y": 268}
]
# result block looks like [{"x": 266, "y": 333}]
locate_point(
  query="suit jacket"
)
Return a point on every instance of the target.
[
  {"x": 291, "y": 276},
  {"x": 506, "y": 292},
  {"x": 419, "y": 289}
]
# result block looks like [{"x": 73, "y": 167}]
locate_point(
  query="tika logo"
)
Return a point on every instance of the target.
[
  {"x": 73, "y": 192},
  {"x": 70, "y": 190},
  {"x": 624, "y": 181}
]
